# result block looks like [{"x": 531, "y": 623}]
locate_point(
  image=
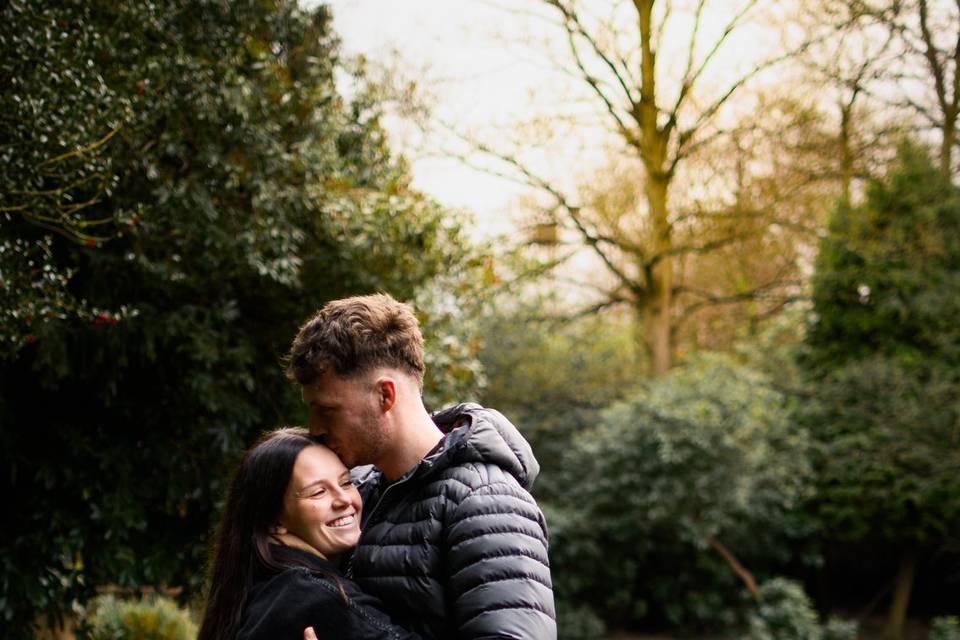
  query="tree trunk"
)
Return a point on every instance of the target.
[
  {"x": 846, "y": 158},
  {"x": 946, "y": 146},
  {"x": 658, "y": 317},
  {"x": 653, "y": 152},
  {"x": 901, "y": 596}
]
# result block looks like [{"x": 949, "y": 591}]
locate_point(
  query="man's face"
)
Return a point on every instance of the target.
[{"x": 346, "y": 412}]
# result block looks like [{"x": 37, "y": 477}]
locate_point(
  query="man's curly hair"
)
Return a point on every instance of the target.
[{"x": 356, "y": 335}]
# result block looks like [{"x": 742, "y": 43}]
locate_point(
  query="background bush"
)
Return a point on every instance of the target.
[
  {"x": 784, "y": 613},
  {"x": 150, "y": 618},
  {"x": 945, "y": 628}
]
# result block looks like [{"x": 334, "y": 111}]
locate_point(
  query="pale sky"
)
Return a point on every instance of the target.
[
  {"x": 454, "y": 45},
  {"x": 485, "y": 66}
]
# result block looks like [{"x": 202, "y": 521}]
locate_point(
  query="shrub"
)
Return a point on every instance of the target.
[
  {"x": 840, "y": 629},
  {"x": 785, "y": 613},
  {"x": 579, "y": 623},
  {"x": 154, "y": 618},
  {"x": 945, "y": 628},
  {"x": 705, "y": 455}
]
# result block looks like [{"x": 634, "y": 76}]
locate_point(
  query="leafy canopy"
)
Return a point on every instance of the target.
[
  {"x": 181, "y": 185},
  {"x": 884, "y": 355}
]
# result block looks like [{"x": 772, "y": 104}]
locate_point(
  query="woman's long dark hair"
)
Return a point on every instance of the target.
[{"x": 254, "y": 503}]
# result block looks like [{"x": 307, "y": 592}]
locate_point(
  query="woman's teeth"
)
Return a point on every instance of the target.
[{"x": 342, "y": 521}]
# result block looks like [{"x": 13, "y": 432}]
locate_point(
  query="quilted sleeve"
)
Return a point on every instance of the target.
[{"x": 495, "y": 552}]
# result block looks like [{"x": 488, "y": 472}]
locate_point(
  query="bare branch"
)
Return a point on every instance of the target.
[
  {"x": 581, "y": 284},
  {"x": 712, "y": 109},
  {"x": 931, "y": 53},
  {"x": 690, "y": 149},
  {"x": 594, "y": 243},
  {"x": 81, "y": 150},
  {"x": 574, "y": 26},
  {"x": 706, "y": 247},
  {"x": 596, "y": 308},
  {"x": 688, "y": 80},
  {"x": 770, "y": 220},
  {"x": 955, "y": 102},
  {"x": 735, "y": 565},
  {"x": 692, "y": 45},
  {"x": 907, "y": 101},
  {"x": 513, "y": 10},
  {"x": 662, "y": 26},
  {"x": 573, "y": 211},
  {"x": 595, "y": 85},
  {"x": 577, "y": 315},
  {"x": 764, "y": 291}
]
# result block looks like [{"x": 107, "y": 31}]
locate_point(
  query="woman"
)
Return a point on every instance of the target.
[{"x": 291, "y": 513}]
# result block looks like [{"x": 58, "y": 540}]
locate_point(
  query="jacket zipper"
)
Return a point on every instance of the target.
[{"x": 383, "y": 495}]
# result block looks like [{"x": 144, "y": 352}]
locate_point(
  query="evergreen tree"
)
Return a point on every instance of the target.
[
  {"x": 181, "y": 185},
  {"x": 884, "y": 356}
]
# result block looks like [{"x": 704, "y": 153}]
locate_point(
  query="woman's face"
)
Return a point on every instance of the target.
[{"x": 321, "y": 506}]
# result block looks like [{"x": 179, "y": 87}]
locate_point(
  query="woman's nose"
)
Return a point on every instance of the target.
[{"x": 340, "y": 497}]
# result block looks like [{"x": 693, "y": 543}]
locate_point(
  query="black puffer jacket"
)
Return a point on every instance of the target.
[{"x": 457, "y": 547}]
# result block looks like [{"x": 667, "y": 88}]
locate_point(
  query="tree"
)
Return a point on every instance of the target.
[
  {"x": 228, "y": 190},
  {"x": 660, "y": 127},
  {"x": 884, "y": 358},
  {"x": 842, "y": 68},
  {"x": 701, "y": 469},
  {"x": 923, "y": 47},
  {"x": 553, "y": 377}
]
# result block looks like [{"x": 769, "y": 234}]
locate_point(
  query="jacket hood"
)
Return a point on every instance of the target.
[{"x": 476, "y": 434}]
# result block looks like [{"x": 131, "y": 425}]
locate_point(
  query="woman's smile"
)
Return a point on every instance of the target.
[{"x": 322, "y": 506}]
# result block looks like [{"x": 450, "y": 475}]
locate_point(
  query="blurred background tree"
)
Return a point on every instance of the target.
[
  {"x": 883, "y": 353},
  {"x": 701, "y": 469},
  {"x": 182, "y": 185}
]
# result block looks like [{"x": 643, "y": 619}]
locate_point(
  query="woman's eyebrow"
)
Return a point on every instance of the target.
[{"x": 310, "y": 485}]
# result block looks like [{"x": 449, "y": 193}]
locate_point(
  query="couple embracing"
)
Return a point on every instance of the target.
[{"x": 381, "y": 520}]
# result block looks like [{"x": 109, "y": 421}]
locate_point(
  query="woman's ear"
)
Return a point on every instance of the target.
[{"x": 278, "y": 530}]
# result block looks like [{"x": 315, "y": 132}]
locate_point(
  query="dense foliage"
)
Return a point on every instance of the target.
[
  {"x": 181, "y": 184},
  {"x": 784, "y": 613},
  {"x": 154, "y": 618},
  {"x": 883, "y": 359},
  {"x": 641, "y": 480},
  {"x": 553, "y": 378}
]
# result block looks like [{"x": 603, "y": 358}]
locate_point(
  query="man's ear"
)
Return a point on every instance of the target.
[{"x": 386, "y": 393}]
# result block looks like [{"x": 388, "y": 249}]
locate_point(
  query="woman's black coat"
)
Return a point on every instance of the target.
[{"x": 312, "y": 593}]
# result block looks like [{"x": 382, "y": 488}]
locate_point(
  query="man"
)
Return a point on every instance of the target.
[{"x": 452, "y": 542}]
